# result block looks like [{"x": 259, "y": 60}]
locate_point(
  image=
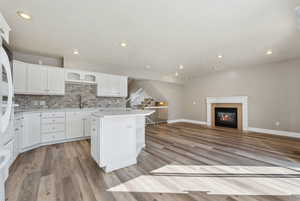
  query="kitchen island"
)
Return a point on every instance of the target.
[{"x": 117, "y": 137}]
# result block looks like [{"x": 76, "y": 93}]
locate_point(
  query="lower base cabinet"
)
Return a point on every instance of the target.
[
  {"x": 78, "y": 124},
  {"x": 53, "y": 137},
  {"x": 34, "y": 129},
  {"x": 31, "y": 135},
  {"x": 10, "y": 146}
]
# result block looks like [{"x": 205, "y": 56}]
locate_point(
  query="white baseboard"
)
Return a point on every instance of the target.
[
  {"x": 175, "y": 121},
  {"x": 187, "y": 121},
  {"x": 275, "y": 132},
  {"x": 256, "y": 130}
]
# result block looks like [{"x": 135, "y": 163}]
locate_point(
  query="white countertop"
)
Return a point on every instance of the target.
[
  {"x": 98, "y": 112},
  {"x": 68, "y": 110},
  {"x": 116, "y": 113}
]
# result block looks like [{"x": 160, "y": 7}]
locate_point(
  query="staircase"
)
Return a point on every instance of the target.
[{"x": 141, "y": 100}]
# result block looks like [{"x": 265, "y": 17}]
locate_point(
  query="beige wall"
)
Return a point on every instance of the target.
[
  {"x": 273, "y": 92},
  {"x": 163, "y": 91}
]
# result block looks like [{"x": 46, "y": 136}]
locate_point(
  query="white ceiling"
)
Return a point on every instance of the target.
[{"x": 159, "y": 33}]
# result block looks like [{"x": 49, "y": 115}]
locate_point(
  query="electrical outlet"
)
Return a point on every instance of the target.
[
  {"x": 277, "y": 123},
  {"x": 42, "y": 103},
  {"x": 194, "y": 102}
]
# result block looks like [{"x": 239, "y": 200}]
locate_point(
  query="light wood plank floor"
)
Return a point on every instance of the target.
[{"x": 181, "y": 162}]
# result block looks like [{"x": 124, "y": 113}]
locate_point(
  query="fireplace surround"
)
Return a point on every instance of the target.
[{"x": 239, "y": 102}]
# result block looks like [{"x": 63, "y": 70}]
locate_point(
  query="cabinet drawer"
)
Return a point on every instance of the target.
[
  {"x": 53, "y": 115},
  {"x": 53, "y": 137},
  {"x": 53, "y": 121},
  {"x": 50, "y": 128}
]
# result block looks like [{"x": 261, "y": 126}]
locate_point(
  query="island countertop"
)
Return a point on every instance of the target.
[{"x": 116, "y": 113}]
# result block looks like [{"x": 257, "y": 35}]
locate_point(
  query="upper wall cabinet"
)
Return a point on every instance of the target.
[
  {"x": 47, "y": 80},
  {"x": 80, "y": 76},
  {"x": 38, "y": 79},
  {"x": 111, "y": 85},
  {"x": 20, "y": 77},
  {"x": 56, "y": 81}
]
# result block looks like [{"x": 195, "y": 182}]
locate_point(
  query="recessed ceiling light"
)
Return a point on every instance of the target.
[
  {"x": 269, "y": 52},
  {"x": 181, "y": 67},
  {"x": 76, "y": 51},
  {"x": 123, "y": 44},
  {"x": 148, "y": 66},
  {"x": 176, "y": 74},
  {"x": 24, "y": 15},
  {"x": 220, "y": 56}
]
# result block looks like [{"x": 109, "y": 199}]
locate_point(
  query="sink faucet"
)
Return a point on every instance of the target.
[{"x": 81, "y": 103}]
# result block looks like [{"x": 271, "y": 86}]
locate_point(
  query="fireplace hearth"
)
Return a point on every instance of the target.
[{"x": 226, "y": 117}]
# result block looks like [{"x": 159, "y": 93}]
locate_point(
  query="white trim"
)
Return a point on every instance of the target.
[
  {"x": 233, "y": 99},
  {"x": 275, "y": 132},
  {"x": 175, "y": 121},
  {"x": 187, "y": 121}
]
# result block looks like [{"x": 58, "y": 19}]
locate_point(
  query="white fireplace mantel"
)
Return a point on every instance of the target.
[{"x": 233, "y": 99}]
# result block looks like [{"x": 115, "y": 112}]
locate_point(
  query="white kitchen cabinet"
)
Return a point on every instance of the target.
[
  {"x": 111, "y": 85},
  {"x": 95, "y": 141},
  {"x": 72, "y": 75},
  {"x": 37, "y": 79},
  {"x": 87, "y": 123},
  {"x": 78, "y": 124},
  {"x": 10, "y": 146},
  {"x": 18, "y": 129},
  {"x": 55, "y": 81},
  {"x": 74, "y": 124},
  {"x": 53, "y": 127},
  {"x": 140, "y": 133},
  {"x": 20, "y": 77},
  {"x": 111, "y": 134},
  {"x": 123, "y": 86},
  {"x": 31, "y": 135},
  {"x": 103, "y": 85}
]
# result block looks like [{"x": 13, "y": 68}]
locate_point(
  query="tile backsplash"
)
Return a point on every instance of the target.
[{"x": 71, "y": 99}]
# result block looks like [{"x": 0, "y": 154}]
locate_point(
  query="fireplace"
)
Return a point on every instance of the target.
[
  {"x": 240, "y": 103},
  {"x": 226, "y": 117}
]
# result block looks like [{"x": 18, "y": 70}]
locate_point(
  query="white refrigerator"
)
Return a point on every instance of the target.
[
  {"x": 6, "y": 106},
  {"x": 6, "y": 91}
]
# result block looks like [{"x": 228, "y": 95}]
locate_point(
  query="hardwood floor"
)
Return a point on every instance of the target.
[{"x": 181, "y": 162}]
